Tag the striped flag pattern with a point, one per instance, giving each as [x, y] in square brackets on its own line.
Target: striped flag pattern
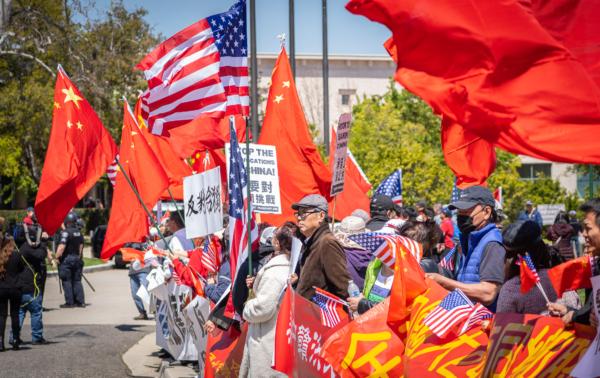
[447, 261]
[201, 70]
[112, 170]
[385, 246]
[391, 186]
[331, 307]
[210, 257]
[479, 313]
[452, 311]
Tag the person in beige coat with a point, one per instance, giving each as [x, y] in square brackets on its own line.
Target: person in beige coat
[261, 311]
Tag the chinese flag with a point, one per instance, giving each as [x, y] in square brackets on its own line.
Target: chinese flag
[283, 354]
[356, 185]
[572, 275]
[528, 278]
[79, 151]
[206, 160]
[496, 92]
[301, 169]
[362, 347]
[128, 221]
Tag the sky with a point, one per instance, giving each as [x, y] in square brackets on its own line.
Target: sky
[348, 34]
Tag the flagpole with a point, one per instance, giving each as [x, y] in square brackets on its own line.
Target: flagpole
[175, 204]
[325, 79]
[253, 72]
[249, 215]
[292, 33]
[137, 194]
[539, 285]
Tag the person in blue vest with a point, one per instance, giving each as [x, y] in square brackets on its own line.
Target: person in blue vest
[479, 272]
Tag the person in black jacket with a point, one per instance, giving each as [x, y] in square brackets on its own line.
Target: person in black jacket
[11, 266]
[34, 251]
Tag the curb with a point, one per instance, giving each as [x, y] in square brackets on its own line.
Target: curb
[88, 269]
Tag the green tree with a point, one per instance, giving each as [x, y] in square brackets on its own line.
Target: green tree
[398, 130]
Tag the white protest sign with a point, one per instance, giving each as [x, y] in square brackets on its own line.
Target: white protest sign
[589, 364]
[341, 152]
[196, 315]
[143, 294]
[179, 342]
[202, 203]
[549, 212]
[295, 254]
[155, 279]
[264, 177]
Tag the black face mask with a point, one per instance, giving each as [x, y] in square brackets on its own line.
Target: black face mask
[465, 224]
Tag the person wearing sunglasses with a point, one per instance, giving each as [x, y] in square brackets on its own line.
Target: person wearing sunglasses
[322, 262]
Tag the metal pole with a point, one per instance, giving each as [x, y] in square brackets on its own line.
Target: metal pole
[292, 38]
[175, 204]
[253, 72]
[249, 214]
[591, 181]
[325, 81]
[148, 213]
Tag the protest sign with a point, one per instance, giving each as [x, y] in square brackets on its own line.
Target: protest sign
[224, 352]
[202, 203]
[295, 254]
[341, 148]
[589, 365]
[196, 314]
[264, 177]
[549, 212]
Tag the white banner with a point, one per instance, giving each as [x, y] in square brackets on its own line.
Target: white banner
[196, 314]
[341, 152]
[202, 203]
[264, 177]
[549, 212]
[589, 365]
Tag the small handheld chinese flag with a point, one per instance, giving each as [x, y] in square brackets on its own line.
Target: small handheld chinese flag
[572, 275]
[79, 151]
[528, 273]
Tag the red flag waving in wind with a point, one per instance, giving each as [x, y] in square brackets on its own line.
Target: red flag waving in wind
[496, 92]
[301, 169]
[79, 151]
[128, 221]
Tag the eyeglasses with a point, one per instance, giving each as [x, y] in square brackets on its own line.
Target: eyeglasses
[304, 214]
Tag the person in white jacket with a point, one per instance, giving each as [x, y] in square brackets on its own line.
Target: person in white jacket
[261, 311]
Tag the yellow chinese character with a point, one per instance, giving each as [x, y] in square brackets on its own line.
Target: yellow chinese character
[378, 370]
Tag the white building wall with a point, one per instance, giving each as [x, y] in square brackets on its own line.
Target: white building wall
[562, 172]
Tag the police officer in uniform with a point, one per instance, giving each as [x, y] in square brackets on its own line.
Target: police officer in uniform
[69, 254]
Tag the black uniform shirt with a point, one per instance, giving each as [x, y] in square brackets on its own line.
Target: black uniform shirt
[72, 239]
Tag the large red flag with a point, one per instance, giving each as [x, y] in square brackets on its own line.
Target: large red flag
[79, 151]
[356, 185]
[301, 169]
[128, 221]
[496, 92]
[572, 275]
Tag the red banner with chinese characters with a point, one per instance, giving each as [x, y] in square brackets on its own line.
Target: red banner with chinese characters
[366, 346]
[224, 352]
[534, 346]
[299, 337]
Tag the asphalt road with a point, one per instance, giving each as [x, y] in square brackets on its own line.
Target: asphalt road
[85, 342]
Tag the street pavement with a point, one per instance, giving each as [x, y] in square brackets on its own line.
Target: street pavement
[85, 342]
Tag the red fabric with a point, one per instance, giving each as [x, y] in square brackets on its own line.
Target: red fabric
[130, 254]
[528, 278]
[356, 186]
[206, 160]
[572, 275]
[128, 221]
[283, 358]
[497, 87]
[224, 352]
[448, 230]
[204, 133]
[301, 169]
[188, 277]
[79, 151]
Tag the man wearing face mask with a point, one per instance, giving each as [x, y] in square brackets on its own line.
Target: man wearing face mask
[480, 268]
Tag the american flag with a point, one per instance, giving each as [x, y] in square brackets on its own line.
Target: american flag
[448, 260]
[455, 196]
[479, 313]
[391, 186]
[112, 170]
[210, 256]
[332, 310]
[203, 69]
[498, 197]
[238, 210]
[452, 311]
[529, 265]
[385, 247]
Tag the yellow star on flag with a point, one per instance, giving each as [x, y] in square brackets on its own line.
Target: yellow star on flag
[71, 96]
[79, 125]
[286, 84]
[69, 124]
[56, 105]
[278, 98]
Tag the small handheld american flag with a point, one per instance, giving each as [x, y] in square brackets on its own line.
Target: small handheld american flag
[331, 307]
[210, 256]
[529, 276]
[391, 186]
[448, 260]
[385, 247]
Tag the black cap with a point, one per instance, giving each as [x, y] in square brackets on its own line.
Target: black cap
[521, 235]
[474, 195]
[382, 201]
[312, 201]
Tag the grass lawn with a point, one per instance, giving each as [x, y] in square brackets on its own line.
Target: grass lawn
[87, 261]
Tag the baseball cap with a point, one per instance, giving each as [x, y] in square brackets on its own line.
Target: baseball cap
[529, 203]
[311, 201]
[474, 195]
[267, 235]
[382, 201]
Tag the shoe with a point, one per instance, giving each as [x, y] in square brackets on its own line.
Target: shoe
[41, 341]
[80, 305]
[141, 316]
[66, 305]
[2, 348]
[16, 344]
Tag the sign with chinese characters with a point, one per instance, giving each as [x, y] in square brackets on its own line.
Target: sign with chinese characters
[196, 315]
[341, 148]
[202, 203]
[264, 177]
